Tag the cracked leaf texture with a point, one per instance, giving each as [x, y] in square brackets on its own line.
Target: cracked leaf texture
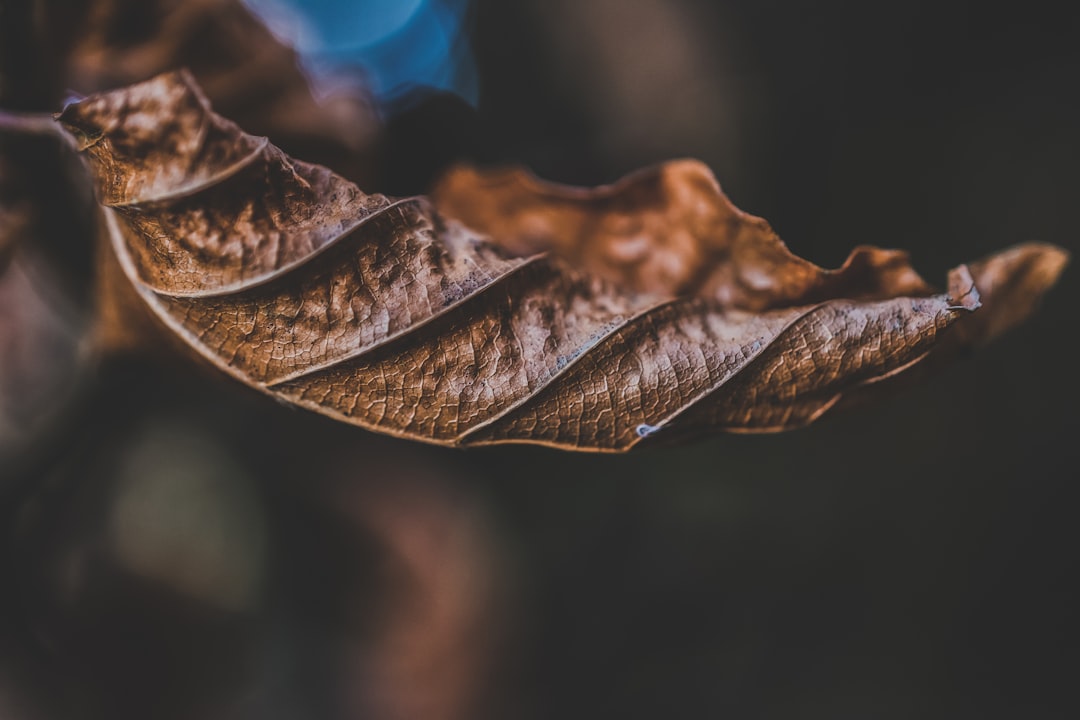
[593, 320]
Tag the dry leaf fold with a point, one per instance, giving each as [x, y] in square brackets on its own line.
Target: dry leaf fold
[581, 319]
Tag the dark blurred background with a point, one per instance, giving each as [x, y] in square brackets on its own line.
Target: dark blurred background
[184, 548]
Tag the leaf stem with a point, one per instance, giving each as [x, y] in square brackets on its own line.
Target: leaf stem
[33, 123]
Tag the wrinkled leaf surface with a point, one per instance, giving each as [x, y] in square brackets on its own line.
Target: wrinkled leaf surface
[587, 320]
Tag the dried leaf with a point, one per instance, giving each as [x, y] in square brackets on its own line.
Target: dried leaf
[384, 314]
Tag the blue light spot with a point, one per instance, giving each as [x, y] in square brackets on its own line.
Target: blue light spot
[404, 48]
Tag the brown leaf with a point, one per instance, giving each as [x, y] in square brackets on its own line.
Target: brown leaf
[384, 314]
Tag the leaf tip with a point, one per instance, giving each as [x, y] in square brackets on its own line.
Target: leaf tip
[962, 293]
[1013, 283]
